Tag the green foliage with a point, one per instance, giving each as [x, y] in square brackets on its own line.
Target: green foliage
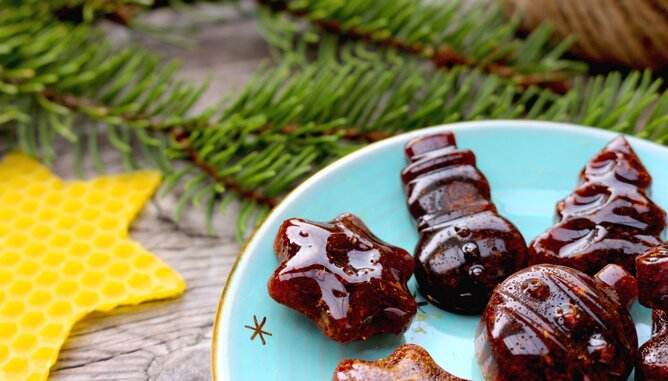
[362, 93]
[301, 115]
[89, 11]
[66, 82]
[82, 10]
[60, 80]
[450, 33]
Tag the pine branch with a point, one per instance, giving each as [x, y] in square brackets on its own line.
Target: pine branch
[452, 33]
[64, 81]
[73, 68]
[122, 12]
[58, 78]
[298, 116]
[78, 11]
[181, 136]
[367, 95]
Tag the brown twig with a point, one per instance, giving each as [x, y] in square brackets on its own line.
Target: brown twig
[117, 11]
[180, 134]
[122, 14]
[79, 104]
[444, 56]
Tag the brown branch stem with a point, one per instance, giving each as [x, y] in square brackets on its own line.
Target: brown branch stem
[444, 56]
[79, 104]
[180, 134]
[112, 10]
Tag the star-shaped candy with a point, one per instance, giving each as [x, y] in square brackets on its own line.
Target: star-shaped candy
[345, 279]
[408, 363]
[65, 252]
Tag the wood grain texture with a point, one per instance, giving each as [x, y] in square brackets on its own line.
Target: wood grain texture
[171, 339]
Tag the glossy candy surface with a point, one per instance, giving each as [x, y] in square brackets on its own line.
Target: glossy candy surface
[653, 355]
[608, 219]
[550, 322]
[465, 247]
[345, 279]
[652, 274]
[529, 165]
[408, 363]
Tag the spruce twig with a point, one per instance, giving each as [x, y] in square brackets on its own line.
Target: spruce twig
[442, 33]
[123, 12]
[181, 136]
[359, 97]
[293, 118]
[56, 77]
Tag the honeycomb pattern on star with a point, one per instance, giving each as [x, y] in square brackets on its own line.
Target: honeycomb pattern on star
[65, 252]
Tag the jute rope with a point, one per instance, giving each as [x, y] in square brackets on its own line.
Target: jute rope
[629, 32]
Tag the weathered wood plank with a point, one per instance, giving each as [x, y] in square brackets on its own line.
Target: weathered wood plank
[169, 340]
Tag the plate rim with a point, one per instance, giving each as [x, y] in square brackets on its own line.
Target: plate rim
[522, 124]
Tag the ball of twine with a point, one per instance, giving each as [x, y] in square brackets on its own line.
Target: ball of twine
[628, 32]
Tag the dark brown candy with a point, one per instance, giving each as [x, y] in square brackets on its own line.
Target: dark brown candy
[465, 247]
[408, 363]
[345, 279]
[550, 322]
[608, 219]
[653, 355]
[619, 284]
[652, 274]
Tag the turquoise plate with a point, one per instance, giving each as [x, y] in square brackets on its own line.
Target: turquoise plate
[530, 166]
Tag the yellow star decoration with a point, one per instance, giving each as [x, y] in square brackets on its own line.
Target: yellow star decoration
[65, 252]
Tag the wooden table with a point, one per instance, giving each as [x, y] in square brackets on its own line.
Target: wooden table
[169, 340]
